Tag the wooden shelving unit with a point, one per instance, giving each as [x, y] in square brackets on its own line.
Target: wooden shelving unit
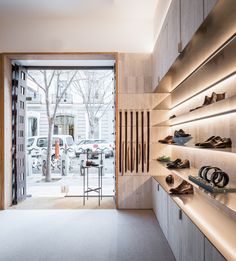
[228, 200]
[199, 122]
[222, 107]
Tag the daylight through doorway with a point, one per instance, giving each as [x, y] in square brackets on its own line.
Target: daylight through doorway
[70, 123]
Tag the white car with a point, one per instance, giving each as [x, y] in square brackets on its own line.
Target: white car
[94, 146]
[36, 145]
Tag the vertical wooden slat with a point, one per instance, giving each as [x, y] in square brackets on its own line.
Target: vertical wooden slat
[131, 141]
[126, 145]
[120, 142]
[142, 139]
[137, 142]
[148, 139]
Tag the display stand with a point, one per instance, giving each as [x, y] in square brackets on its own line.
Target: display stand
[85, 173]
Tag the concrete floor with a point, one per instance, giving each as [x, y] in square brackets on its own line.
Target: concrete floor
[65, 203]
[81, 235]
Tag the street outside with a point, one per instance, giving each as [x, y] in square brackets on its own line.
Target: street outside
[71, 184]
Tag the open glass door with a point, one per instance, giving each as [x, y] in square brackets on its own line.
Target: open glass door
[18, 134]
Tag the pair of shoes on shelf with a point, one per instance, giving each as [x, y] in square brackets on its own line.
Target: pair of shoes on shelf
[216, 142]
[180, 133]
[178, 164]
[215, 97]
[90, 163]
[167, 140]
[183, 188]
[180, 137]
[164, 159]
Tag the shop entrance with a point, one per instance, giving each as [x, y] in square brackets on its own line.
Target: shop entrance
[82, 136]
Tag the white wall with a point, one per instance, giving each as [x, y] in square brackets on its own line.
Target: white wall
[131, 29]
[74, 35]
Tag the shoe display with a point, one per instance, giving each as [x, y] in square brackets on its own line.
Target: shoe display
[183, 188]
[215, 97]
[164, 159]
[90, 163]
[172, 117]
[177, 161]
[169, 179]
[180, 137]
[198, 144]
[216, 142]
[180, 133]
[178, 164]
[167, 140]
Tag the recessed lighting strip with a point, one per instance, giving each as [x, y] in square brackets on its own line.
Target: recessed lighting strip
[205, 117]
[207, 60]
[227, 77]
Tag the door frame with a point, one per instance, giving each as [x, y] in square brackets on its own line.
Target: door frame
[6, 114]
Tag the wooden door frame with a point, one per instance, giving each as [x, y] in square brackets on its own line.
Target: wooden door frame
[6, 115]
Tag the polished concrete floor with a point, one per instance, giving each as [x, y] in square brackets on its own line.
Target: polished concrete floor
[81, 235]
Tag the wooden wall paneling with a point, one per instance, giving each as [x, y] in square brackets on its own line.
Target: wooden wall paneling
[135, 73]
[173, 33]
[193, 241]
[191, 18]
[175, 232]
[135, 192]
[208, 6]
[211, 253]
[213, 32]
[140, 101]
[156, 64]
[2, 134]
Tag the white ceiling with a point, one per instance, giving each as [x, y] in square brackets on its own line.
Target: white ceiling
[138, 9]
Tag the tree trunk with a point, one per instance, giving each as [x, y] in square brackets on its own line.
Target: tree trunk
[49, 150]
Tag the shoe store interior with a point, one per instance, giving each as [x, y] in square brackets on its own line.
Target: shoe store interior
[153, 175]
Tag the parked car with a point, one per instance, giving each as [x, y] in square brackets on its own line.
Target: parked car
[94, 146]
[36, 145]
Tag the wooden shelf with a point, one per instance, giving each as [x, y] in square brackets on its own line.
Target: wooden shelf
[226, 199]
[191, 146]
[165, 104]
[223, 107]
[182, 173]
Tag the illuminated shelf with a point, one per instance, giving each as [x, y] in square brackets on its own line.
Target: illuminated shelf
[191, 146]
[228, 200]
[223, 107]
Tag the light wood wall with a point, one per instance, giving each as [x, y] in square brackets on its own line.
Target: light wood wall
[135, 94]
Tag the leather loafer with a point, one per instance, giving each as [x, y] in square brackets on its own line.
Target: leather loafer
[168, 140]
[183, 188]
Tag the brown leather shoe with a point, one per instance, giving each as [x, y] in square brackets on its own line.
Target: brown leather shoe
[207, 101]
[183, 188]
[198, 144]
[168, 140]
[211, 143]
[220, 96]
[224, 143]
